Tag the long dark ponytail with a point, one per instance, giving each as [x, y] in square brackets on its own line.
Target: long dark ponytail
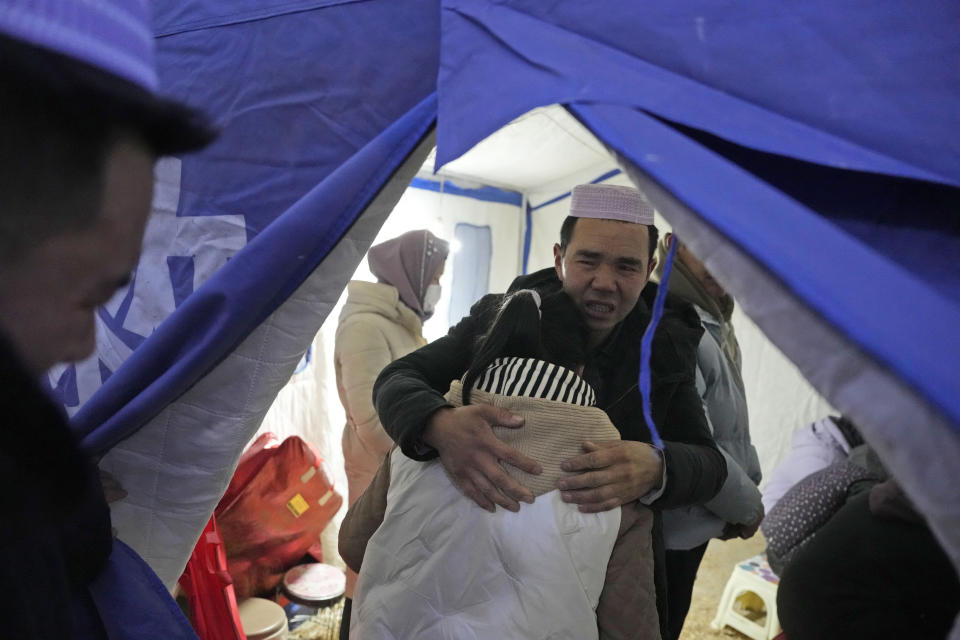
[551, 330]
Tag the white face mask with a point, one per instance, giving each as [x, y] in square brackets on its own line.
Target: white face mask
[430, 299]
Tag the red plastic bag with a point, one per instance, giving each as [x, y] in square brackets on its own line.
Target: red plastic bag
[279, 501]
[209, 589]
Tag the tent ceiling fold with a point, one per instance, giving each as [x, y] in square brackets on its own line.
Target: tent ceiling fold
[843, 84]
[537, 149]
[873, 396]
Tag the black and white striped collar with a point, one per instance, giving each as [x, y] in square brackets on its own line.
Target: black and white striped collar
[535, 378]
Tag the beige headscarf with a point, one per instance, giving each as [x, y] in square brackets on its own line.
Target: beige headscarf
[552, 432]
[683, 284]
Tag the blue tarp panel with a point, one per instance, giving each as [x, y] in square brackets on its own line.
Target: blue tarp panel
[863, 294]
[743, 109]
[246, 290]
[869, 86]
[133, 603]
[314, 120]
[298, 87]
[911, 222]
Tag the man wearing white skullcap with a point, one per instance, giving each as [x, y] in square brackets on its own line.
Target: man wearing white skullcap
[603, 262]
[81, 124]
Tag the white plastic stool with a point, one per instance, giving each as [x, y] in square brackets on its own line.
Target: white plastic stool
[753, 575]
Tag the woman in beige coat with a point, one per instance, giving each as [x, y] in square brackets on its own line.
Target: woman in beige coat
[381, 322]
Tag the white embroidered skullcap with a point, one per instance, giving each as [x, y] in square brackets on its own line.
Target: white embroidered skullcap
[610, 202]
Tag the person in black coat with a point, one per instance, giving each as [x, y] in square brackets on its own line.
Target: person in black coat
[603, 262]
[873, 570]
[76, 177]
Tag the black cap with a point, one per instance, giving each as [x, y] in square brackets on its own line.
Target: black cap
[79, 90]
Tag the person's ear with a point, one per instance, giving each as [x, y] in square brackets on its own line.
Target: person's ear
[651, 267]
[668, 239]
[558, 261]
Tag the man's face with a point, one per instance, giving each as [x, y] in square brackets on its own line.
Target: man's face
[604, 269]
[48, 297]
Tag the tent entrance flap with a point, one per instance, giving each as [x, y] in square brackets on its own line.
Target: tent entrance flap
[876, 397]
[247, 289]
[786, 238]
[170, 493]
[866, 87]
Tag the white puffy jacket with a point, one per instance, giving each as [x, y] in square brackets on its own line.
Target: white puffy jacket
[442, 568]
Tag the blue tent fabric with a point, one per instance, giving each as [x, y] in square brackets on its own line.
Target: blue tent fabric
[296, 90]
[296, 87]
[291, 116]
[246, 290]
[177, 17]
[867, 90]
[843, 84]
[911, 222]
[133, 603]
[870, 88]
[858, 299]
[646, 347]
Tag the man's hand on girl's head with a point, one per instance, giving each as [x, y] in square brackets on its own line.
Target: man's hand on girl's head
[471, 454]
[610, 474]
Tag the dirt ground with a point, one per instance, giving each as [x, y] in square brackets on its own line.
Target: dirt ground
[717, 565]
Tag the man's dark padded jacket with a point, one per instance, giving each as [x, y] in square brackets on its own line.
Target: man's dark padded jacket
[410, 389]
[55, 535]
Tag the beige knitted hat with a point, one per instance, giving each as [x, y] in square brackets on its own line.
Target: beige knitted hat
[552, 432]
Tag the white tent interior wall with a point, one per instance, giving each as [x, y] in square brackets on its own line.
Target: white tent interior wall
[541, 156]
